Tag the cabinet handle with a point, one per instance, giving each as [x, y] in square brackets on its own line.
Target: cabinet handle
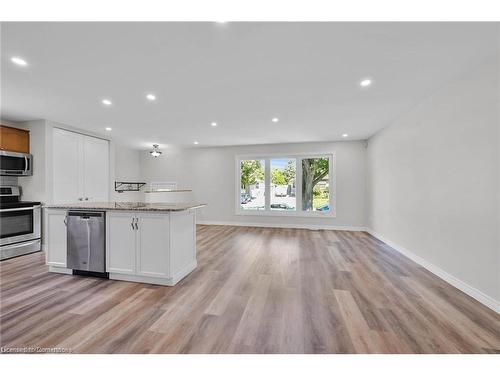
[136, 221]
[86, 198]
[80, 199]
[132, 223]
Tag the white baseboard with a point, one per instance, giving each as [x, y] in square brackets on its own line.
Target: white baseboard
[450, 279]
[282, 225]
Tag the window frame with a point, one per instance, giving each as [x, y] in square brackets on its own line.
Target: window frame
[298, 212]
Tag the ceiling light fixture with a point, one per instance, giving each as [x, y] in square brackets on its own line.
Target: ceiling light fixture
[275, 119]
[106, 102]
[345, 135]
[108, 129]
[196, 142]
[214, 124]
[155, 152]
[365, 83]
[18, 61]
[151, 97]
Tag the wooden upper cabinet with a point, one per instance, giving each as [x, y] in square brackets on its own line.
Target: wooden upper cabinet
[13, 139]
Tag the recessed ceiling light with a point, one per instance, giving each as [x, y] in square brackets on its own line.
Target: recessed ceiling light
[106, 102]
[196, 142]
[151, 97]
[214, 124]
[275, 119]
[365, 83]
[345, 135]
[18, 61]
[108, 129]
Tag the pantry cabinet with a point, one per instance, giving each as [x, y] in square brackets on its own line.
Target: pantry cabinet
[80, 167]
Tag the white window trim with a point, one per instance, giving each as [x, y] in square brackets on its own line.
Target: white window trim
[298, 192]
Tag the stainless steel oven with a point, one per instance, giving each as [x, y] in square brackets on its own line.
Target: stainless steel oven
[15, 164]
[20, 224]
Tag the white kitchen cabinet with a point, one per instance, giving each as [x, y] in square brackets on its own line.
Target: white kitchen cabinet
[120, 243]
[67, 166]
[152, 241]
[81, 167]
[96, 169]
[149, 247]
[55, 237]
[138, 244]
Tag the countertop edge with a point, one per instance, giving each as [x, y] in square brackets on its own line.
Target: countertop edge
[107, 208]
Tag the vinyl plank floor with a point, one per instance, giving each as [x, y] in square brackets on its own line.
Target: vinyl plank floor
[255, 290]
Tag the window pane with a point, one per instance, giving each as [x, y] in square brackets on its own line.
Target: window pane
[283, 184]
[252, 186]
[315, 185]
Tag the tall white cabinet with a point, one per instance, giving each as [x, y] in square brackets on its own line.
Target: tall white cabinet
[80, 167]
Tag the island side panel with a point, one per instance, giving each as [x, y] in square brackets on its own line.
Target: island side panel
[182, 244]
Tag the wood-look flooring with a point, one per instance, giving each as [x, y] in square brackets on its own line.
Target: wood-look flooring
[256, 290]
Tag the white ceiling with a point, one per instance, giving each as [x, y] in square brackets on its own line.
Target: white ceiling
[240, 75]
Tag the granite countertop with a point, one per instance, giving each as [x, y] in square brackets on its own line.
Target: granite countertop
[127, 206]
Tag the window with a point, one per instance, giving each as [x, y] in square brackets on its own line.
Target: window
[283, 173]
[295, 185]
[315, 184]
[252, 186]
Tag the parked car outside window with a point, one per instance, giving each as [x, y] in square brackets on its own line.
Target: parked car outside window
[245, 198]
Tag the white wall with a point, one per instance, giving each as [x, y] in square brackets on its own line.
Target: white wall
[433, 181]
[127, 168]
[33, 187]
[210, 173]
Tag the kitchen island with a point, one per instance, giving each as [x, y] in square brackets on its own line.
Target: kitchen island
[144, 242]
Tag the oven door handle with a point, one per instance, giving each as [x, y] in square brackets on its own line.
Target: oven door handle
[21, 244]
[20, 209]
[25, 164]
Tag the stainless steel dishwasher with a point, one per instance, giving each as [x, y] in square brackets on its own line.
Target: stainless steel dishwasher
[86, 253]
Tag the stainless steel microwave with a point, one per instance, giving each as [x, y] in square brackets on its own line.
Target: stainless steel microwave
[15, 164]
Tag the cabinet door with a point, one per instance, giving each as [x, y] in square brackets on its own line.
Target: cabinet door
[96, 169]
[153, 245]
[67, 169]
[55, 237]
[13, 139]
[120, 243]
